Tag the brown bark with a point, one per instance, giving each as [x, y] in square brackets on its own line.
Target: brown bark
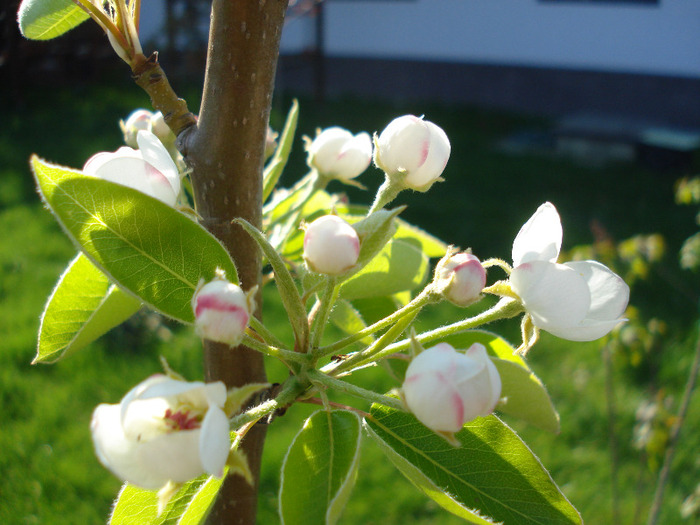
[226, 153]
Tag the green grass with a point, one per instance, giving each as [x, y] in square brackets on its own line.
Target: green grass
[49, 472]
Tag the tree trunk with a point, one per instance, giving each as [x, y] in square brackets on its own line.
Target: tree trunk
[226, 154]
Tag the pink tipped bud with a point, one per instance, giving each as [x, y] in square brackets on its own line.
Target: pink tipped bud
[444, 388]
[331, 245]
[414, 148]
[337, 153]
[221, 311]
[460, 278]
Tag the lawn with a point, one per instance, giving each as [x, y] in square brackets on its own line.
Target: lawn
[49, 471]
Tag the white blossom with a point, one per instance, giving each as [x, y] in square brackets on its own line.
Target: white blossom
[445, 388]
[413, 148]
[150, 169]
[331, 245]
[578, 301]
[337, 153]
[164, 430]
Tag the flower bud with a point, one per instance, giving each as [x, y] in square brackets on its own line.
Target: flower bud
[135, 122]
[336, 153]
[163, 430]
[222, 311]
[150, 169]
[460, 277]
[413, 148]
[161, 130]
[331, 245]
[444, 388]
[270, 142]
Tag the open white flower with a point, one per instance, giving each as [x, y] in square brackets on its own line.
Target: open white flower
[578, 301]
[150, 169]
[163, 430]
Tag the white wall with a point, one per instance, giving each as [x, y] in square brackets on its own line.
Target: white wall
[661, 39]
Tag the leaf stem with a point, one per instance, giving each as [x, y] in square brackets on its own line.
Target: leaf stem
[386, 193]
[424, 298]
[504, 309]
[266, 334]
[319, 378]
[272, 351]
[330, 294]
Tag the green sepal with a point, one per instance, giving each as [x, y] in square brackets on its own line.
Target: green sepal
[83, 306]
[47, 19]
[143, 245]
[493, 477]
[320, 468]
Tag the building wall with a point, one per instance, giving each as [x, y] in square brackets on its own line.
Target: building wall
[662, 39]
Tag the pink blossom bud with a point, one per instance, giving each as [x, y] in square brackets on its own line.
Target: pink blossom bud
[414, 148]
[331, 245]
[460, 278]
[221, 311]
[164, 430]
[135, 122]
[337, 153]
[445, 388]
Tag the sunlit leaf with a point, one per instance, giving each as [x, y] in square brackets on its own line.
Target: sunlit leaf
[349, 320]
[399, 266]
[83, 306]
[279, 160]
[143, 245]
[47, 19]
[319, 469]
[189, 506]
[492, 477]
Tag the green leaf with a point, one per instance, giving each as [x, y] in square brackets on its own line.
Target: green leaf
[492, 477]
[525, 395]
[142, 244]
[189, 506]
[279, 160]
[399, 266]
[431, 245]
[320, 468]
[349, 320]
[374, 232]
[47, 19]
[83, 306]
[285, 285]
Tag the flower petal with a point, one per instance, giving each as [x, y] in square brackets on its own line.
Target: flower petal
[609, 293]
[157, 156]
[554, 295]
[118, 454]
[540, 237]
[586, 330]
[214, 442]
